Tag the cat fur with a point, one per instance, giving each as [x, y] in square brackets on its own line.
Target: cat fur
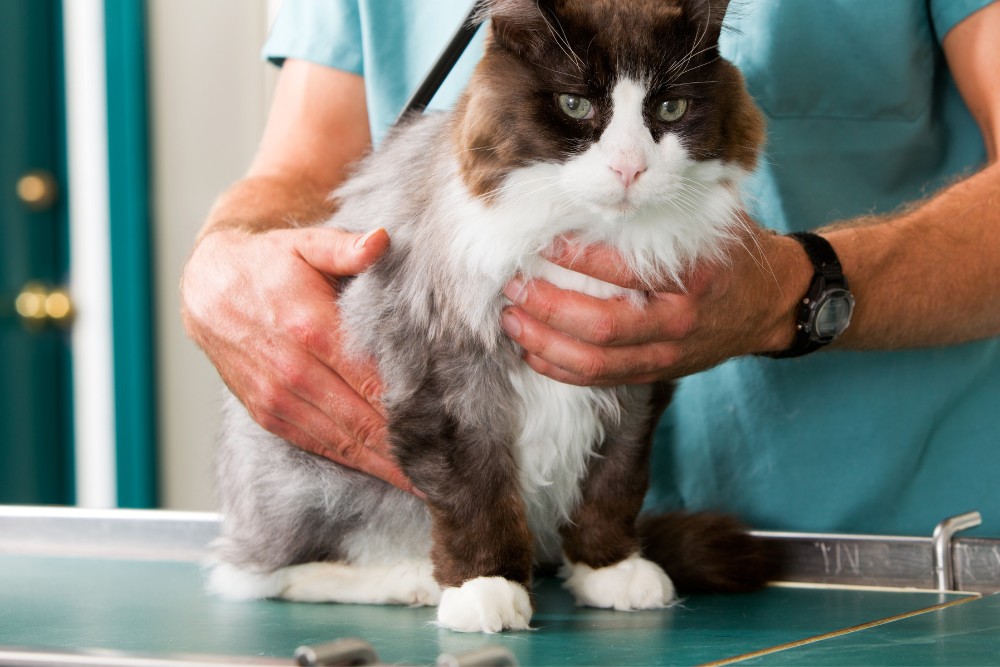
[518, 469]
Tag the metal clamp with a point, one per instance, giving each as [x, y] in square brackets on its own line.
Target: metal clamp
[350, 652]
[944, 569]
[487, 656]
[339, 653]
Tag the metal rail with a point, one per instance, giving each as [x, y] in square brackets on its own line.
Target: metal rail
[944, 562]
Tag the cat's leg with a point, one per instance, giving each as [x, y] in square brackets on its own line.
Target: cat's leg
[406, 583]
[300, 527]
[603, 565]
[481, 543]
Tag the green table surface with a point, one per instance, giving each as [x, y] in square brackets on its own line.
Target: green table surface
[160, 607]
[963, 634]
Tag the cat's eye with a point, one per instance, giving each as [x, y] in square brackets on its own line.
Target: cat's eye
[576, 107]
[671, 110]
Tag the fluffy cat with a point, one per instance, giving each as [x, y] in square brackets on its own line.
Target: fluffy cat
[613, 121]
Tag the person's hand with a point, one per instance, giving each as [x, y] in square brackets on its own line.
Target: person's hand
[724, 309]
[263, 309]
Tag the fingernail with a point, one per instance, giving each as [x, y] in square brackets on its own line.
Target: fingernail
[360, 243]
[511, 324]
[515, 291]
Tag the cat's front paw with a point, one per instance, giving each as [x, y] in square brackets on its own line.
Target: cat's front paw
[485, 604]
[633, 583]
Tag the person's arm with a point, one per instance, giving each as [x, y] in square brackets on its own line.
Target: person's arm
[922, 278]
[930, 276]
[255, 293]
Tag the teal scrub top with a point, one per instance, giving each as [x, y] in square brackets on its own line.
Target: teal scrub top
[863, 117]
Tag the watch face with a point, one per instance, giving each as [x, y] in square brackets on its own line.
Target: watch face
[832, 314]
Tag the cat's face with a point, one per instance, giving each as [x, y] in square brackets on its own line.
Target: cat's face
[628, 98]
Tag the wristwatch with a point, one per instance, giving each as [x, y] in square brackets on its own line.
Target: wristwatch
[825, 311]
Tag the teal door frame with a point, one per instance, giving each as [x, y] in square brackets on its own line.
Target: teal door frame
[36, 427]
[132, 293]
[36, 401]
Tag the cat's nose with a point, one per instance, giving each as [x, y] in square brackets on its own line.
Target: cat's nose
[628, 171]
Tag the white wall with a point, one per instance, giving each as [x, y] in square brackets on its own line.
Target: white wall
[209, 95]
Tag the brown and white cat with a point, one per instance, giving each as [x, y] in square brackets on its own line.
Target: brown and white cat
[616, 122]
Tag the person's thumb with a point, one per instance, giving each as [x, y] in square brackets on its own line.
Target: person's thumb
[339, 253]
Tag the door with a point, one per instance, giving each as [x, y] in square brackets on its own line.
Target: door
[35, 410]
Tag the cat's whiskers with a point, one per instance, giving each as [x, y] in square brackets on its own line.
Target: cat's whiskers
[681, 203]
[562, 41]
[569, 78]
[508, 203]
[691, 69]
[763, 263]
[762, 155]
[699, 38]
[691, 191]
[693, 182]
[509, 185]
[683, 62]
[687, 83]
[570, 202]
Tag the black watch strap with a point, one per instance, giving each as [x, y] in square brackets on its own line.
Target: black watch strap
[827, 275]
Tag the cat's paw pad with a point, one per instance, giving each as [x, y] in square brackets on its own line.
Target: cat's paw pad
[485, 604]
[633, 583]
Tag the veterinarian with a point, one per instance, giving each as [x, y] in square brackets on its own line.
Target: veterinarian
[883, 127]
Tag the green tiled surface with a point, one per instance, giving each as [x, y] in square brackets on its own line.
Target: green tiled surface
[159, 607]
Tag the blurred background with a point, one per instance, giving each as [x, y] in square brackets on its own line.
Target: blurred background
[120, 122]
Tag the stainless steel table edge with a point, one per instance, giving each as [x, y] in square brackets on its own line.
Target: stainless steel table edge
[882, 561]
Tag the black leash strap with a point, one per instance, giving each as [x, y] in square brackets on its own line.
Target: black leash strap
[445, 62]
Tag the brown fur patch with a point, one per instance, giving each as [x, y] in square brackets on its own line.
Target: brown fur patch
[602, 531]
[742, 129]
[487, 540]
[467, 469]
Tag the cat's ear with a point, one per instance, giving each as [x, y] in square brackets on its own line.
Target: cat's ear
[709, 14]
[523, 27]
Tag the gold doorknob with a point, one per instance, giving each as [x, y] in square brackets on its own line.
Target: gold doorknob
[37, 190]
[38, 305]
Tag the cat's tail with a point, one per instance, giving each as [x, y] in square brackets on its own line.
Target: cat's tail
[704, 552]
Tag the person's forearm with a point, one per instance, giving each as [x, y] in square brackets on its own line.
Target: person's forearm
[929, 276]
[265, 202]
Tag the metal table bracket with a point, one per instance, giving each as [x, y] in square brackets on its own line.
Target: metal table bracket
[944, 533]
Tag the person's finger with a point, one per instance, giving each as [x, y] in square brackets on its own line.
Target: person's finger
[360, 374]
[339, 253]
[543, 367]
[313, 382]
[292, 387]
[593, 363]
[361, 444]
[347, 452]
[608, 322]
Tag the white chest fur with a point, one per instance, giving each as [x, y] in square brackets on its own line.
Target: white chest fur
[561, 427]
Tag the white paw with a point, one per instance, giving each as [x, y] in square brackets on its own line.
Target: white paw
[234, 583]
[485, 604]
[633, 583]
